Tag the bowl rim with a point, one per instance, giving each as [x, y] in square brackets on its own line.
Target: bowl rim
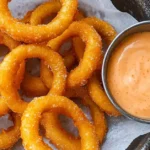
[107, 55]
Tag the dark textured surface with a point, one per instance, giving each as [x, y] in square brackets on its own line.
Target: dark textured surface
[140, 9]
[140, 143]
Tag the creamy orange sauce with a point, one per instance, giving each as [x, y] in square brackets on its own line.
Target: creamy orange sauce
[128, 75]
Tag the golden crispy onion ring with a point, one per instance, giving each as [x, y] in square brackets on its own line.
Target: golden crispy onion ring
[12, 61]
[92, 54]
[57, 104]
[10, 136]
[99, 97]
[95, 90]
[105, 30]
[67, 141]
[33, 34]
[33, 86]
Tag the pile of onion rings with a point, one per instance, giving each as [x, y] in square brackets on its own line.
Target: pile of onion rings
[73, 72]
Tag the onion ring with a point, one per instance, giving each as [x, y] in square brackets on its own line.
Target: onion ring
[18, 55]
[10, 136]
[92, 54]
[30, 125]
[99, 97]
[67, 141]
[105, 30]
[95, 90]
[34, 34]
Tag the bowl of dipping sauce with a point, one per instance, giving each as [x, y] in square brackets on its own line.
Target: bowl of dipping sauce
[126, 72]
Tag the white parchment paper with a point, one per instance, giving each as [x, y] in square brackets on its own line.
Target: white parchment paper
[121, 130]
